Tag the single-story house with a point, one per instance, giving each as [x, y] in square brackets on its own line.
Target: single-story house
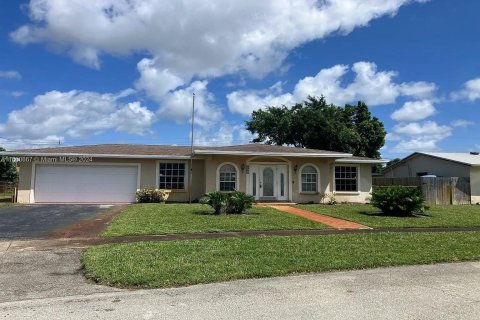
[440, 164]
[112, 173]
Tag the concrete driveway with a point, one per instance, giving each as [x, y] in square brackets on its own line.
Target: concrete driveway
[25, 222]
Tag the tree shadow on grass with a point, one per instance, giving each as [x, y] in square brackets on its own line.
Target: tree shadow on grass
[393, 215]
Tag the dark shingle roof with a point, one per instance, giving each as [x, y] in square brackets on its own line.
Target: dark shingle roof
[152, 150]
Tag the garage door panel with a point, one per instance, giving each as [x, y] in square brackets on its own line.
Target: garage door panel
[93, 183]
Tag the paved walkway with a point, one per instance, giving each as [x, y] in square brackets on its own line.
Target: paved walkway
[336, 223]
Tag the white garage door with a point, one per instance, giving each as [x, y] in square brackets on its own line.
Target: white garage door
[85, 184]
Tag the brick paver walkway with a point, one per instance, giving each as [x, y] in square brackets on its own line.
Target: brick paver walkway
[329, 221]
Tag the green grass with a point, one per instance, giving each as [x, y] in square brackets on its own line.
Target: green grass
[145, 219]
[179, 263]
[436, 216]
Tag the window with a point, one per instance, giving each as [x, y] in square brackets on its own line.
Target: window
[227, 178]
[309, 178]
[172, 175]
[346, 178]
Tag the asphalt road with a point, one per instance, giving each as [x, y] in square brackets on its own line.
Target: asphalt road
[41, 221]
[39, 291]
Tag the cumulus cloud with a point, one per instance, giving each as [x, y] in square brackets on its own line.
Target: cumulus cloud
[414, 111]
[470, 91]
[198, 37]
[177, 105]
[369, 84]
[462, 123]
[10, 74]
[418, 136]
[56, 115]
[224, 134]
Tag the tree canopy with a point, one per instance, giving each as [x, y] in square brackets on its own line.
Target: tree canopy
[8, 170]
[317, 125]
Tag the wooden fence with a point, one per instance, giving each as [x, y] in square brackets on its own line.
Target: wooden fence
[439, 190]
[7, 191]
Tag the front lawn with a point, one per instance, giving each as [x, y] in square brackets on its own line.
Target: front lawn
[179, 263]
[145, 219]
[436, 216]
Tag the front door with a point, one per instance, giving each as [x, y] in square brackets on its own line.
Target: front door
[268, 182]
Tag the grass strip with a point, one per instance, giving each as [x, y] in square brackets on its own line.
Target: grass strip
[180, 263]
[436, 216]
[146, 219]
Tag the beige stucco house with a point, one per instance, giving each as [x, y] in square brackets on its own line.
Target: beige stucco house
[113, 173]
[440, 164]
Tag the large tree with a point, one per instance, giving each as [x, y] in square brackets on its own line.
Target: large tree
[8, 170]
[317, 125]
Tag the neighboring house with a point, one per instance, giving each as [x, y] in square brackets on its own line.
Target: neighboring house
[113, 173]
[441, 165]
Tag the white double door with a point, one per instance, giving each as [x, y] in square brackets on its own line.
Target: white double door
[268, 181]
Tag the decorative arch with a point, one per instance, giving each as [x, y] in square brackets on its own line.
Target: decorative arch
[228, 178]
[308, 178]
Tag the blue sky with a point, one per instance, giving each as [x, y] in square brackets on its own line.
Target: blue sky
[117, 71]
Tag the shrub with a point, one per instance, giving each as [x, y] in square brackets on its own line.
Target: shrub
[151, 196]
[235, 202]
[398, 200]
[217, 200]
[238, 202]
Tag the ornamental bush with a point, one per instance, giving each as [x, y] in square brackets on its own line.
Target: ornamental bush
[235, 202]
[238, 202]
[398, 200]
[217, 200]
[151, 196]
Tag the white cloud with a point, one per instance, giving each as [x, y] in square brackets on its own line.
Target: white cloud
[56, 115]
[414, 111]
[462, 123]
[17, 94]
[10, 74]
[198, 37]
[369, 85]
[418, 136]
[245, 102]
[470, 91]
[223, 134]
[177, 105]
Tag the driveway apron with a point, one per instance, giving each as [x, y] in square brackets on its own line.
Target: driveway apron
[26, 222]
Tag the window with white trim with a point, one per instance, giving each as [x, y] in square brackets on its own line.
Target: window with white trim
[346, 178]
[172, 175]
[309, 179]
[227, 178]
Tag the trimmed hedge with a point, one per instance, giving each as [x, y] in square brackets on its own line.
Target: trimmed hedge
[398, 200]
[151, 196]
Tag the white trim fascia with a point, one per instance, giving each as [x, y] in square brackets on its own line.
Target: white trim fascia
[373, 161]
[93, 155]
[274, 154]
